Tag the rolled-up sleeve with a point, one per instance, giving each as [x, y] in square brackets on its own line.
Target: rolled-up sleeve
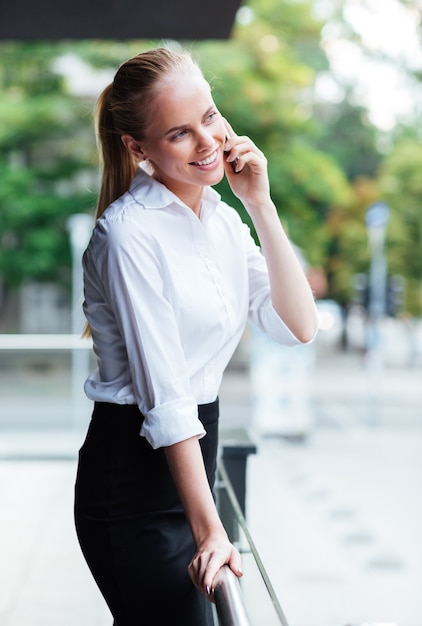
[172, 422]
[130, 271]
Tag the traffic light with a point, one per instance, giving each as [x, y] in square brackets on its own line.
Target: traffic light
[361, 290]
[395, 294]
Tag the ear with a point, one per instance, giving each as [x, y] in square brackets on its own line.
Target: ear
[133, 147]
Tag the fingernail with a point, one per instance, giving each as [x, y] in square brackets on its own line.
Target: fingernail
[207, 590]
[227, 147]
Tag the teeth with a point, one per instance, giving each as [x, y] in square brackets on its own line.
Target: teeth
[206, 161]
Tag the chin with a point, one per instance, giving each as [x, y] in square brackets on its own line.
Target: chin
[216, 178]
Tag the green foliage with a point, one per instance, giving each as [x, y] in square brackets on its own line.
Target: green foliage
[33, 229]
[324, 162]
[262, 88]
[348, 250]
[345, 132]
[44, 157]
[401, 184]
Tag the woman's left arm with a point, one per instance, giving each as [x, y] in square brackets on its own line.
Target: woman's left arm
[291, 295]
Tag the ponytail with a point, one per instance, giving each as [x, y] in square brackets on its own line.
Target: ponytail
[118, 165]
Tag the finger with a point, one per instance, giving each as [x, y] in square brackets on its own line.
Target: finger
[240, 146]
[235, 147]
[214, 566]
[235, 563]
[236, 153]
[250, 159]
[229, 129]
[199, 571]
[196, 569]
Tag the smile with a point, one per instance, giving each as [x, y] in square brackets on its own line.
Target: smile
[206, 161]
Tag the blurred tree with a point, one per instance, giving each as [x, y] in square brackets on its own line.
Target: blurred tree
[321, 158]
[263, 82]
[400, 182]
[45, 164]
[375, 161]
[348, 252]
[344, 131]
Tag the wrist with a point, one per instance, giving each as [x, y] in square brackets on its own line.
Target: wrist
[264, 215]
[202, 533]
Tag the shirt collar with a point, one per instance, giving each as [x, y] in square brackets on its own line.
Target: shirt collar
[154, 195]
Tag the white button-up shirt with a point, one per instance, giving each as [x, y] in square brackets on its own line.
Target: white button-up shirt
[168, 296]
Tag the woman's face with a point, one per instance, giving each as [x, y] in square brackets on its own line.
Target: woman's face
[185, 139]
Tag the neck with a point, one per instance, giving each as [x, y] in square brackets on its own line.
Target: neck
[191, 195]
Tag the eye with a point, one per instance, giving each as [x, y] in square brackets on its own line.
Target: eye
[179, 135]
[211, 116]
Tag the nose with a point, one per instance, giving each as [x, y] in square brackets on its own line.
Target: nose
[205, 140]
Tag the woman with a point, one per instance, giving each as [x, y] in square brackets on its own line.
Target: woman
[171, 276]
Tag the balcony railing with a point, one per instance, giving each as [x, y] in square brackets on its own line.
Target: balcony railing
[250, 600]
[230, 607]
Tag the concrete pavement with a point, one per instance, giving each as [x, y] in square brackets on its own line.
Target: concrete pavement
[336, 517]
[338, 525]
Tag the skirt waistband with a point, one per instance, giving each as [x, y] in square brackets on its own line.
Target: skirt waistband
[207, 413]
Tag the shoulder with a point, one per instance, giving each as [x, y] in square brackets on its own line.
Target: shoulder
[119, 221]
[123, 231]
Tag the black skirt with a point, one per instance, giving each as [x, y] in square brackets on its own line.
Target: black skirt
[130, 523]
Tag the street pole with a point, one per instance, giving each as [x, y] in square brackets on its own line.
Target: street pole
[376, 219]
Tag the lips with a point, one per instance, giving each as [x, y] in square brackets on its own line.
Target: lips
[206, 161]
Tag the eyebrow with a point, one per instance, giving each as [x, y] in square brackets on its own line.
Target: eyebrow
[182, 126]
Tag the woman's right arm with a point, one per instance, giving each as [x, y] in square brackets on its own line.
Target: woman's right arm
[213, 546]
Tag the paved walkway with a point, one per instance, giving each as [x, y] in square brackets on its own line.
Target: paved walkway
[338, 525]
[43, 578]
[336, 517]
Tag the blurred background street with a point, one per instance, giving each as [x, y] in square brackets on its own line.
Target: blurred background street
[331, 92]
[338, 519]
[335, 508]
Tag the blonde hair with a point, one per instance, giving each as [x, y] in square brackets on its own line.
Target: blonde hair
[124, 107]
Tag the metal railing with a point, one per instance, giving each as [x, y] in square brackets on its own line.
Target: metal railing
[77, 347]
[59, 341]
[250, 600]
[231, 610]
